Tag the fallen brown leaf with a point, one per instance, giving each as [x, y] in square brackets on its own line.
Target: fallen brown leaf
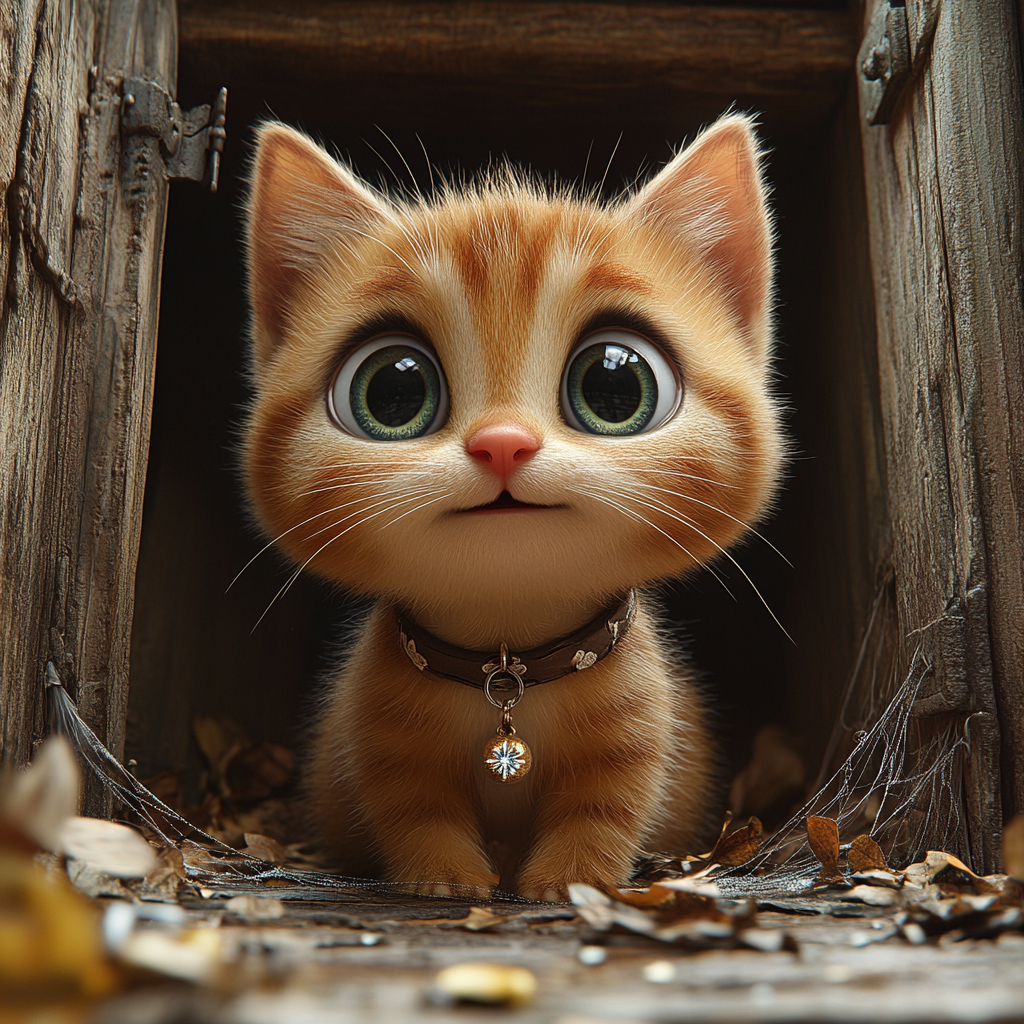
[865, 855]
[823, 835]
[479, 918]
[738, 847]
[116, 850]
[264, 848]
[688, 918]
[51, 938]
[937, 862]
[255, 908]
[774, 775]
[40, 799]
[654, 896]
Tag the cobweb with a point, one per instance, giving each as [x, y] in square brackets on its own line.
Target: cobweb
[902, 783]
[209, 864]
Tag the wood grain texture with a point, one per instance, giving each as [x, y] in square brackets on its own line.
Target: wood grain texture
[945, 205]
[77, 339]
[559, 49]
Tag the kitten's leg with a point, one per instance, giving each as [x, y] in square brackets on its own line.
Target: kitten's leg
[594, 813]
[428, 833]
[401, 763]
[631, 764]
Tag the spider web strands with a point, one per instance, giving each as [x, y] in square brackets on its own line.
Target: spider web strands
[902, 784]
[209, 864]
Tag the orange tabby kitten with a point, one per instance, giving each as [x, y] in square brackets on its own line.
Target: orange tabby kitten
[498, 412]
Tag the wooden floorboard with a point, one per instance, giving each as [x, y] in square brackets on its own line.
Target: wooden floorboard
[289, 972]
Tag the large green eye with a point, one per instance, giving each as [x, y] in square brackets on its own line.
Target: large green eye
[389, 389]
[618, 383]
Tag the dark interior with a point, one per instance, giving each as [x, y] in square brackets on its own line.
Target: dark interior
[194, 649]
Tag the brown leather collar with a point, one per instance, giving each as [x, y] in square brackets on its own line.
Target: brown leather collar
[587, 646]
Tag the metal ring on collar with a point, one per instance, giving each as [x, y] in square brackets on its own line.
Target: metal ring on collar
[505, 705]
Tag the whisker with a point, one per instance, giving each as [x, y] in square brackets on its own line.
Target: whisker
[714, 508]
[636, 515]
[667, 472]
[352, 481]
[266, 547]
[690, 525]
[410, 494]
[416, 509]
[298, 572]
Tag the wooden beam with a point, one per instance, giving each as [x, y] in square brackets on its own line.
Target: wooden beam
[81, 262]
[551, 51]
[945, 206]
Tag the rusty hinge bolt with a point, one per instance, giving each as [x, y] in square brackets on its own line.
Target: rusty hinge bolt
[191, 142]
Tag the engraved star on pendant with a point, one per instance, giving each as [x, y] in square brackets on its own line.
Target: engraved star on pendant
[507, 758]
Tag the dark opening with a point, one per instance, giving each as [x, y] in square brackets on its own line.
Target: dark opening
[194, 650]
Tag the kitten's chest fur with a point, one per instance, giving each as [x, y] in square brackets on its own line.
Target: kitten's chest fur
[628, 723]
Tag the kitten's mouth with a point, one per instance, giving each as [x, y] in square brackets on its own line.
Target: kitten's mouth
[504, 502]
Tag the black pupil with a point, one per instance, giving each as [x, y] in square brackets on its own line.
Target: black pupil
[396, 392]
[614, 393]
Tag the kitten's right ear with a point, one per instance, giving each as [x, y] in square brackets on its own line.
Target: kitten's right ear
[301, 204]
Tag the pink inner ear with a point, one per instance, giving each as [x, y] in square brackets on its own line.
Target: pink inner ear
[301, 200]
[712, 194]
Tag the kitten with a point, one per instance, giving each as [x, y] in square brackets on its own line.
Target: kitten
[497, 412]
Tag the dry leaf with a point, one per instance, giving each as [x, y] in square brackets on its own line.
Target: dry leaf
[865, 855]
[192, 955]
[256, 908]
[479, 918]
[50, 937]
[163, 881]
[41, 798]
[738, 847]
[654, 896]
[114, 849]
[823, 835]
[937, 861]
[1013, 848]
[872, 895]
[774, 775]
[264, 848]
[489, 984]
[697, 884]
[90, 881]
[257, 772]
[882, 878]
[601, 911]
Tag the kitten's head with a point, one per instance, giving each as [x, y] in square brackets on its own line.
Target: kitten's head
[503, 399]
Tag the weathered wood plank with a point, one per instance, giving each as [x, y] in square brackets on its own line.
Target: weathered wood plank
[556, 50]
[945, 204]
[78, 335]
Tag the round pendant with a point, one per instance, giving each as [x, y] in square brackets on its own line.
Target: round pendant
[507, 758]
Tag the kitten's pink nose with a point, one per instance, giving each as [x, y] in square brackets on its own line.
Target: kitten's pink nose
[504, 447]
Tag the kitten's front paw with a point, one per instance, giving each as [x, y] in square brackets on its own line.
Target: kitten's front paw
[431, 889]
[545, 893]
[553, 886]
[475, 886]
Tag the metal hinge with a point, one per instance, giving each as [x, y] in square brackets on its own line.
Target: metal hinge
[191, 140]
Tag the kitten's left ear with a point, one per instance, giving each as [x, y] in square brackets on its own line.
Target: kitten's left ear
[712, 195]
[301, 204]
